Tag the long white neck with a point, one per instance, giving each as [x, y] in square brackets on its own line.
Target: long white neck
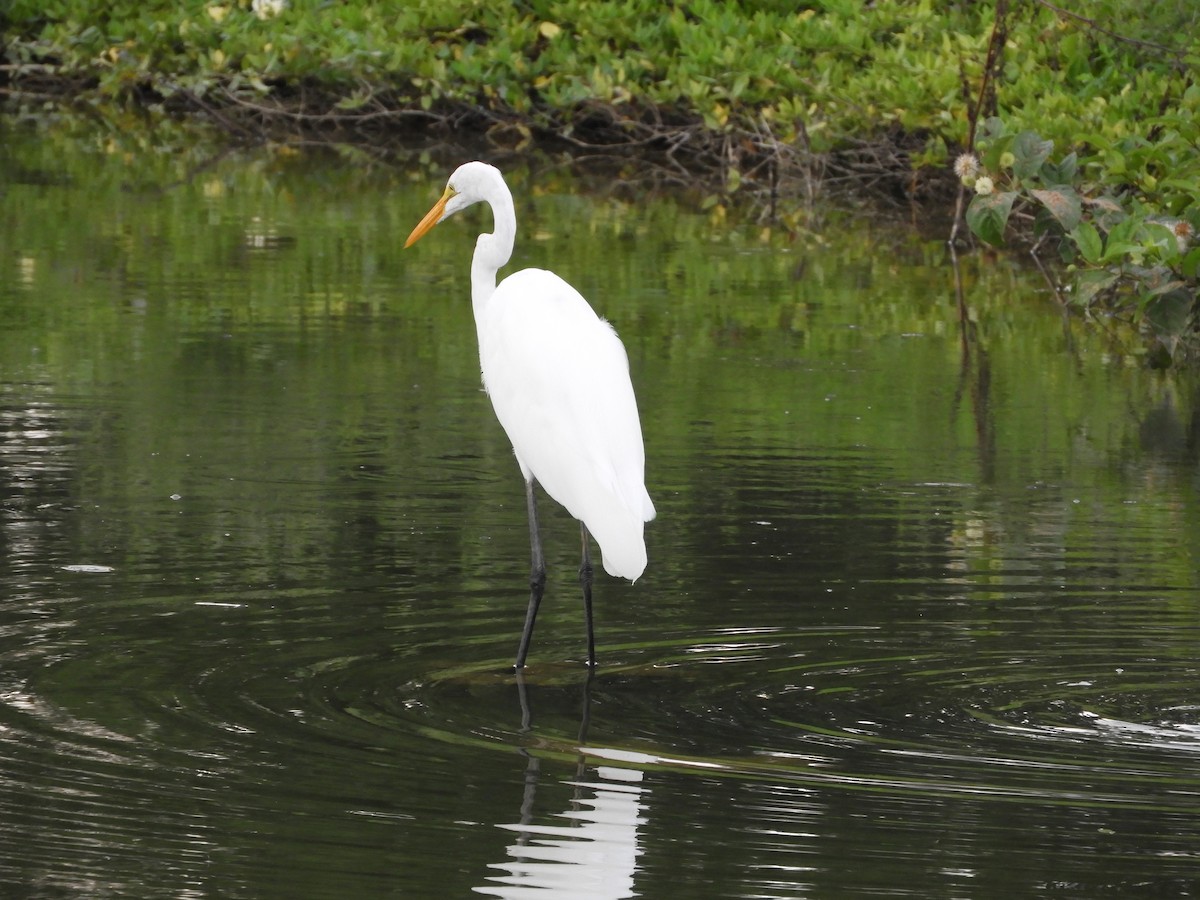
[495, 249]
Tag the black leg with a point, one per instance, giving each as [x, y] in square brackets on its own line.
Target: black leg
[537, 575]
[585, 581]
[523, 697]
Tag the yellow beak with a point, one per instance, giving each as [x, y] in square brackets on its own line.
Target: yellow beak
[431, 218]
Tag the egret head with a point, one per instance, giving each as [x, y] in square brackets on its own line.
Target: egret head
[470, 183]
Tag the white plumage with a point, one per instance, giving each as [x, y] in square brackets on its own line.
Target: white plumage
[558, 378]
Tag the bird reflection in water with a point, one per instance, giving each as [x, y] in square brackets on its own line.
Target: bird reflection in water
[593, 853]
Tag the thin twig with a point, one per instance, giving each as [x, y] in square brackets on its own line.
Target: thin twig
[999, 30]
[1050, 283]
[328, 116]
[1096, 26]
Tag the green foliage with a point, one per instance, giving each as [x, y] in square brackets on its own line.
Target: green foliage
[1122, 206]
[1123, 218]
[1117, 198]
[829, 75]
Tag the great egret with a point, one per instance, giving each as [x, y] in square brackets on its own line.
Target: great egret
[558, 378]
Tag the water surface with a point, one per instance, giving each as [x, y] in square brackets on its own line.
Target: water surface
[920, 617]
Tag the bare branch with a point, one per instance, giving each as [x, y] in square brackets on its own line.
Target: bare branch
[1096, 26]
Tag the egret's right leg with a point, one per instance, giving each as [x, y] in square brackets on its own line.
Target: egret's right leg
[585, 581]
[537, 574]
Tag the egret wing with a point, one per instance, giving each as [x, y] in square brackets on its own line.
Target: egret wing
[558, 378]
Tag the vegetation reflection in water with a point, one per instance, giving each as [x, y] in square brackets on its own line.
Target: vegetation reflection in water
[920, 614]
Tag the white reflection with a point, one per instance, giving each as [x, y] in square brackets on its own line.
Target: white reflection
[593, 855]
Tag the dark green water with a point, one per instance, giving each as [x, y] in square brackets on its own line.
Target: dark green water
[921, 616]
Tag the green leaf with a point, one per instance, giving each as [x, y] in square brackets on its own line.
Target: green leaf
[1030, 152]
[733, 180]
[988, 215]
[993, 128]
[1163, 237]
[1108, 212]
[1091, 282]
[1170, 313]
[354, 101]
[1166, 287]
[1115, 161]
[1116, 251]
[1095, 139]
[1087, 239]
[1063, 172]
[995, 150]
[1125, 231]
[1062, 202]
[1191, 263]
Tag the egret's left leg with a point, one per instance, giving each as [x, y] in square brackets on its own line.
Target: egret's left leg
[537, 574]
[585, 581]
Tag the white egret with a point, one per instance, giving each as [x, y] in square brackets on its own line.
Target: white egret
[558, 378]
